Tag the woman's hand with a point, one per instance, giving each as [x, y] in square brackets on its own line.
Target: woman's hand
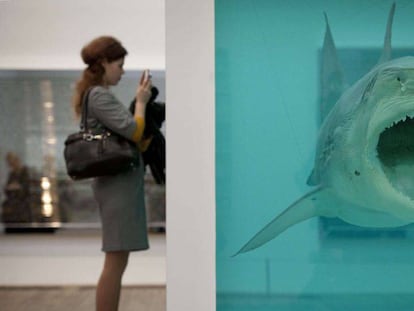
[143, 94]
[144, 88]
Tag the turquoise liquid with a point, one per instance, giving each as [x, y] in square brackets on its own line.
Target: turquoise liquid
[267, 121]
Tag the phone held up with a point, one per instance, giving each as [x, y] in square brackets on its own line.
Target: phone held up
[147, 75]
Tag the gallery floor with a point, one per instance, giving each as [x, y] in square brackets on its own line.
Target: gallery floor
[58, 271]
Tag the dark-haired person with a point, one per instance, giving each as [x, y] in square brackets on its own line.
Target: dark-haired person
[120, 197]
[16, 206]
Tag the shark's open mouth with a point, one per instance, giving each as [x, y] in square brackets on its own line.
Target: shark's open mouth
[396, 153]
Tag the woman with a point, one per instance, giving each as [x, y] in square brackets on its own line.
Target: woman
[120, 197]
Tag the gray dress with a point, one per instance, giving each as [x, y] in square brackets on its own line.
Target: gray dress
[120, 197]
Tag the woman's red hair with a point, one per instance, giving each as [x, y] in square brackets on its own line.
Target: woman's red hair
[93, 54]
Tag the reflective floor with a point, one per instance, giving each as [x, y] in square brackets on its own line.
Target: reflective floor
[78, 298]
[58, 272]
[72, 257]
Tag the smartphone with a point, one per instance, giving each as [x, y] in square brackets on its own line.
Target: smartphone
[147, 75]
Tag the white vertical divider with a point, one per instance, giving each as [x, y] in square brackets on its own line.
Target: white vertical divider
[190, 97]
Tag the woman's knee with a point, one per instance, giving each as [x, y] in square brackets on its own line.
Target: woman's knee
[116, 261]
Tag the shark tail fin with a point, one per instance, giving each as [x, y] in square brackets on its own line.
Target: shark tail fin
[386, 51]
[332, 77]
[310, 205]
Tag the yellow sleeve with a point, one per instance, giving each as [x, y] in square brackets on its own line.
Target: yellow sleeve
[139, 131]
[144, 144]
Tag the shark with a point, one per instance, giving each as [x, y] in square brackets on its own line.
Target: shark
[364, 162]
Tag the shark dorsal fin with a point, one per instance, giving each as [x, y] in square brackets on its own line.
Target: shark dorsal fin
[386, 51]
[332, 79]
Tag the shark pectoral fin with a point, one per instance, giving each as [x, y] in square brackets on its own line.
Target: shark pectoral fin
[315, 203]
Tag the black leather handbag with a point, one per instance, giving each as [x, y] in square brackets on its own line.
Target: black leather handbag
[99, 152]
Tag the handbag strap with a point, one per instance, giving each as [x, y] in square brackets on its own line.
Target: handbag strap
[84, 117]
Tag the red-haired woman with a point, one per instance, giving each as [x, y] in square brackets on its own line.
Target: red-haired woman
[120, 197]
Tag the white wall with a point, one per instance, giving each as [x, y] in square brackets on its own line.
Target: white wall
[190, 155]
[48, 34]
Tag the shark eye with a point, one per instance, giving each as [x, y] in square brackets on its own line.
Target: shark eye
[402, 81]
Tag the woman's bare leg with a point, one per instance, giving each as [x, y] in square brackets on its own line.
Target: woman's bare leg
[109, 286]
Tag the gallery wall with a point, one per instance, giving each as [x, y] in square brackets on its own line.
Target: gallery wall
[190, 155]
[48, 34]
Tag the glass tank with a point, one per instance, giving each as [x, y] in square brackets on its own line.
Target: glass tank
[314, 123]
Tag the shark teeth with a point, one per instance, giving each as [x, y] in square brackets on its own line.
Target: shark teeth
[399, 121]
